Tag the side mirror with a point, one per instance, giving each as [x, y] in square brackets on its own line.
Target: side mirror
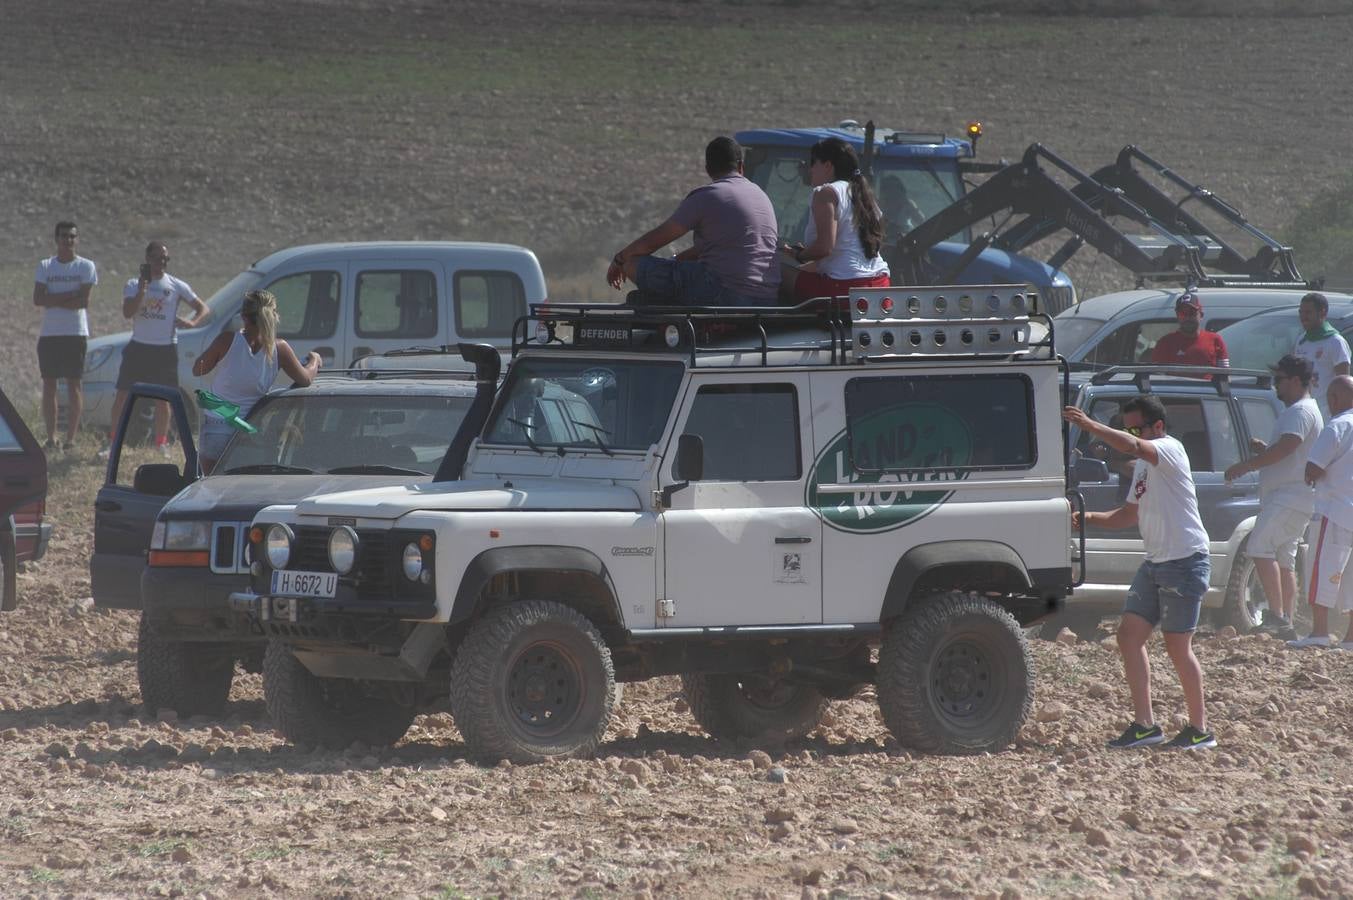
[690, 458]
[158, 479]
[1091, 471]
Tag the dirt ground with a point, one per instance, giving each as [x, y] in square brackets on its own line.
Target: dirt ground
[233, 128]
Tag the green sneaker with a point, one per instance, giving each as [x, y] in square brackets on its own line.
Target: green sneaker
[1192, 739]
[1138, 736]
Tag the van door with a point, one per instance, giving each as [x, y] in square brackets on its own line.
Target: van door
[140, 480]
[485, 303]
[741, 545]
[396, 305]
[312, 313]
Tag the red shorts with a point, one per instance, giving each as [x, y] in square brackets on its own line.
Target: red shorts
[815, 284]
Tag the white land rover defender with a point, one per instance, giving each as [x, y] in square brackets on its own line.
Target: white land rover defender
[751, 499]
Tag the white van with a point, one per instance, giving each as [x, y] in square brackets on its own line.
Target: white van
[346, 301]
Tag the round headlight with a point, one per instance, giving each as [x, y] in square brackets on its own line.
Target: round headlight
[277, 546]
[412, 562]
[343, 549]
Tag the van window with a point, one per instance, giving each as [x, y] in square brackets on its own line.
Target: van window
[750, 431]
[487, 303]
[944, 423]
[397, 304]
[307, 304]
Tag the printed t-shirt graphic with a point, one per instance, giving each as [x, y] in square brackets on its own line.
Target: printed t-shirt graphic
[154, 321]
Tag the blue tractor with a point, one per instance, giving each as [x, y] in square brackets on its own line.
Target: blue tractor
[915, 176]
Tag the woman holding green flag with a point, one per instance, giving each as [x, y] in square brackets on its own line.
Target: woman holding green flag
[249, 360]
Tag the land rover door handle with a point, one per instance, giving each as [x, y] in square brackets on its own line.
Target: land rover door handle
[793, 540]
[108, 506]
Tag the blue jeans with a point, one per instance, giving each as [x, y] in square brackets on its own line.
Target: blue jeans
[1177, 586]
[686, 282]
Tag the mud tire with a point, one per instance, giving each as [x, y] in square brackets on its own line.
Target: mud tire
[191, 678]
[741, 706]
[532, 681]
[330, 712]
[955, 676]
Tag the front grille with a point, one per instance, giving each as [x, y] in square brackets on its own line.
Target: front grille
[371, 575]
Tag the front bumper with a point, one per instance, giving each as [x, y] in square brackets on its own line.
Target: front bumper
[193, 604]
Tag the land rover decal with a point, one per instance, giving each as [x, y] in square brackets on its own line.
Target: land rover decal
[915, 436]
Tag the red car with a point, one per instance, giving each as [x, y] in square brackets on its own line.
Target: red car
[23, 500]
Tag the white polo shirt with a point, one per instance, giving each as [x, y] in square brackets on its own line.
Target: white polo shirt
[154, 321]
[1334, 492]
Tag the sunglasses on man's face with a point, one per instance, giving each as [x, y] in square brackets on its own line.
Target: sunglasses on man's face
[1134, 430]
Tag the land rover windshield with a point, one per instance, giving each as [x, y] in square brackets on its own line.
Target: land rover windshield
[608, 405]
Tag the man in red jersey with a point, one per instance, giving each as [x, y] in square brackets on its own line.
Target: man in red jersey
[1191, 345]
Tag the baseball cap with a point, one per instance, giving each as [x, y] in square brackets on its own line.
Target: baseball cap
[1291, 364]
[1187, 299]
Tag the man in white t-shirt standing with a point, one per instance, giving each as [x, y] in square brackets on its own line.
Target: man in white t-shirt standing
[1285, 499]
[1329, 469]
[1322, 345]
[152, 302]
[61, 286]
[1169, 586]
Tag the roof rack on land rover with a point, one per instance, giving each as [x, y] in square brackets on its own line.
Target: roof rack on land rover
[1219, 376]
[362, 374]
[871, 324]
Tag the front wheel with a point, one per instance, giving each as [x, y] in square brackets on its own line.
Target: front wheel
[532, 681]
[331, 712]
[192, 679]
[955, 675]
[1245, 602]
[752, 706]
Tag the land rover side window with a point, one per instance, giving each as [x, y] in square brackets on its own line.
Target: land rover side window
[750, 431]
[551, 404]
[316, 434]
[397, 304]
[307, 304]
[487, 303]
[945, 423]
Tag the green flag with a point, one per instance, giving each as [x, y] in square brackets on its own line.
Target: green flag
[225, 409]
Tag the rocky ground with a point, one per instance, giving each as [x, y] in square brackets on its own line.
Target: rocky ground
[232, 128]
[104, 798]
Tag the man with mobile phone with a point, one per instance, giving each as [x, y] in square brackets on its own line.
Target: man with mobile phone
[152, 301]
[61, 288]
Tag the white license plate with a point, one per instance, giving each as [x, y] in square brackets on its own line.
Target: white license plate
[286, 583]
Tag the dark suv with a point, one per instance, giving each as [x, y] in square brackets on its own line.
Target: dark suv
[174, 544]
[1214, 415]
[23, 499]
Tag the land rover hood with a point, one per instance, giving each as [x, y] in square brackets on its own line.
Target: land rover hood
[525, 494]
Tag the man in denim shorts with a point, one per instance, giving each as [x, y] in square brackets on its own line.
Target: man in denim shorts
[1168, 588]
[735, 260]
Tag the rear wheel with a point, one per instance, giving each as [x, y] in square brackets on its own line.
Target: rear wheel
[192, 679]
[752, 706]
[955, 675]
[532, 681]
[332, 712]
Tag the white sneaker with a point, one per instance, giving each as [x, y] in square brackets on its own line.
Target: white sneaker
[164, 450]
[1311, 640]
[105, 453]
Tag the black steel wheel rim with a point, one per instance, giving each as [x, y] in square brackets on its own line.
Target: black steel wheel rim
[964, 688]
[545, 689]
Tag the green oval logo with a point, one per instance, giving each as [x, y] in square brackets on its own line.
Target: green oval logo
[915, 436]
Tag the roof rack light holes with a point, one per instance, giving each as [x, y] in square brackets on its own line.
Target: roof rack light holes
[914, 338]
[965, 305]
[887, 339]
[939, 337]
[672, 335]
[941, 306]
[913, 305]
[965, 337]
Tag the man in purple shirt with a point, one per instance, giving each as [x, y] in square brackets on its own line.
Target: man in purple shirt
[734, 261]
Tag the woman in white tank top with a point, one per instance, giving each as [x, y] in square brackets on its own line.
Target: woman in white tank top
[249, 360]
[844, 240]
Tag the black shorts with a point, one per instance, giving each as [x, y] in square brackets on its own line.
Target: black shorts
[151, 363]
[62, 356]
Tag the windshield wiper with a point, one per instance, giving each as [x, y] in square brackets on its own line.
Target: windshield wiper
[269, 469]
[526, 433]
[596, 430]
[374, 469]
